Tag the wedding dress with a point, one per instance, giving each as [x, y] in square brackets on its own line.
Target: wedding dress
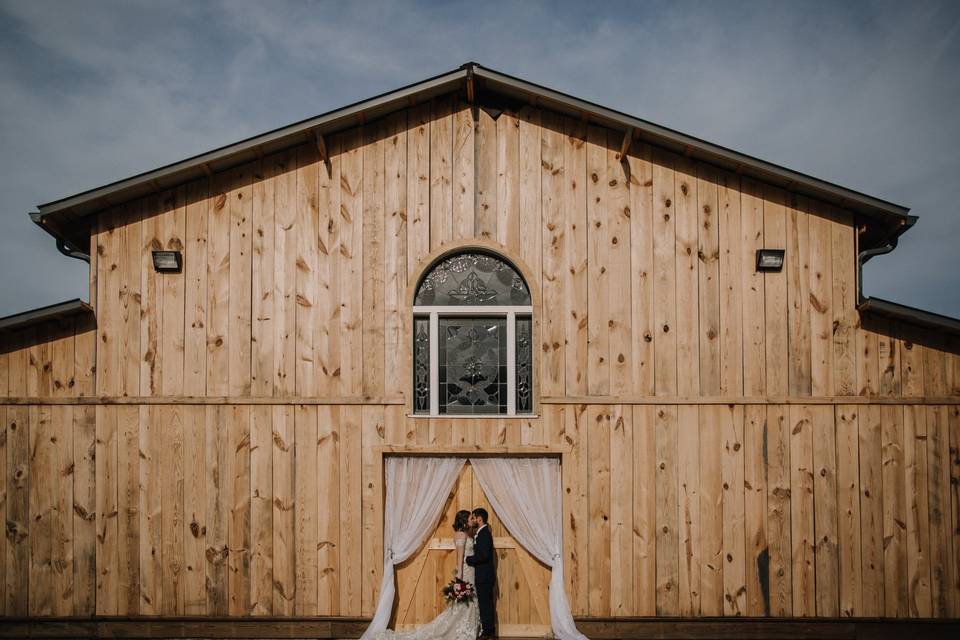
[459, 621]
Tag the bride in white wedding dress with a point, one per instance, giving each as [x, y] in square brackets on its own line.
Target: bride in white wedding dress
[459, 621]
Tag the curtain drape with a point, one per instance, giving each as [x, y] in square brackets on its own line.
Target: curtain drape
[416, 490]
[526, 495]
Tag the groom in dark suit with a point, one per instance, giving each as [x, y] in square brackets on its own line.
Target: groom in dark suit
[485, 572]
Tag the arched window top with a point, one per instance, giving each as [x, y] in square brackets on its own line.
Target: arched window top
[472, 278]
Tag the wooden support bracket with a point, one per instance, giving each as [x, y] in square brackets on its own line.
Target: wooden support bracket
[625, 144]
[322, 150]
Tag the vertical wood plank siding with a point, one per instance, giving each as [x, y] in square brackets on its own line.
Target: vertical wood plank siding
[296, 283]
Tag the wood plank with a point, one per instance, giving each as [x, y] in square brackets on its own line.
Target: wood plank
[62, 558]
[576, 508]
[464, 172]
[708, 276]
[308, 217]
[599, 421]
[825, 511]
[752, 288]
[690, 537]
[757, 564]
[155, 209]
[218, 289]
[194, 510]
[941, 551]
[552, 353]
[17, 522]
[171, 496]
[129, 508]
[306, 533]
[4, 371]
[219, 481]
[797, 266]
[126, 306]
[711, 511]
[688, 301]
[508, 180]
[151, 446]
[619, 249]
[598, 264]
[642, 271]
[238, 492]
[530, 193]
[850, 538]
[775, 294]
[350, 511]
[871, 539]
[734, 538]
[261, 510]
[441, 173]
[644, 511]
[351, 263]
[108, 251]
[263, 226]
[84, 510]
[43, 487]
[108, 579]
[285, 273]
[894, 514]
[284, 493]
[396, 347]
[918, 523]
[911, 362]
[621, 512]
[820, 301]
[731, 263]
[802, 510]
[372, 435]
[575, 271]
[888, 354]
[845, 317]
[328, 510]
[372, 312]
[868, 371]
[953, 419]
[174, 232]
[195, 289]
[326, 332]
[418, 185]
[665, 269]
[485, 216]
[667, 525]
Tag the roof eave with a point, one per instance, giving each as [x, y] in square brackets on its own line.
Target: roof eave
[910, 315]
[50, 313]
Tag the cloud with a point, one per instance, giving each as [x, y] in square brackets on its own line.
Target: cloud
[861, 94]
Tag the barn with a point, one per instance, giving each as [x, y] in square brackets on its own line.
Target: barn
[479, 268]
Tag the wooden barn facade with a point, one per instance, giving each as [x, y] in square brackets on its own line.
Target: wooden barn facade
[200, 452]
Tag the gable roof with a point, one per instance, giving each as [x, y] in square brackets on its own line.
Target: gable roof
[68, 219]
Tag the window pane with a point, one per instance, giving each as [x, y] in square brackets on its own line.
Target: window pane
[472, 279]
[472, 380]
[524, 399]
[421, 365]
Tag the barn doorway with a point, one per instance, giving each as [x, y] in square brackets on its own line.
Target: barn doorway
[522, 581]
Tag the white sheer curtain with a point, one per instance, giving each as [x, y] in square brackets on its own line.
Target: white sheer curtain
[416, 489]
[526, 494]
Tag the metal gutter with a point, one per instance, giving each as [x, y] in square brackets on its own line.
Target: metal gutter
[58, 311]
[912, 315]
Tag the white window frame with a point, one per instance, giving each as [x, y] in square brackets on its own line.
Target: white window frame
[499, 311]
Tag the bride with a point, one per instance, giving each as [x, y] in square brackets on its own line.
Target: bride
[459, 621]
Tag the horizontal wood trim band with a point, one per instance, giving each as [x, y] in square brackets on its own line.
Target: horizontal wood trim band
[595, 628]
[471, 450]
[448, 544]
[781, 628]
[752, 400]
[197, 400]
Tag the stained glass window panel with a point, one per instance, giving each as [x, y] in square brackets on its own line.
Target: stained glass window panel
[473, 278]
[524, 366]
[421, 365]
[473, 366]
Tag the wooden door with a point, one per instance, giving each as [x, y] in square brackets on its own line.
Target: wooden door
[522, 581]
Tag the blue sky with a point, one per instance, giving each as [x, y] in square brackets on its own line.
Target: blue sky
[864, 94]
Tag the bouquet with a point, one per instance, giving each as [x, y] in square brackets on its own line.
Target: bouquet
[458, 591]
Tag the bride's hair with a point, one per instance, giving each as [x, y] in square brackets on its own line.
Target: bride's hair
[460, 520]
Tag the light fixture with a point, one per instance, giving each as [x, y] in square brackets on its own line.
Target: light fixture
[167, 261]
[769, 259]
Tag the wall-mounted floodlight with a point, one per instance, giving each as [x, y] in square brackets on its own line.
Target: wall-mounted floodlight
[769, 259]
[167, 261]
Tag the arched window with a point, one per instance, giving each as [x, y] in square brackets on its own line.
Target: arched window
[472, 338]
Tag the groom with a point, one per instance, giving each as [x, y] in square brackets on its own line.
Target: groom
[485, 573]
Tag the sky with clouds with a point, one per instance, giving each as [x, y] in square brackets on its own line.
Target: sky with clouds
[863, 94]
